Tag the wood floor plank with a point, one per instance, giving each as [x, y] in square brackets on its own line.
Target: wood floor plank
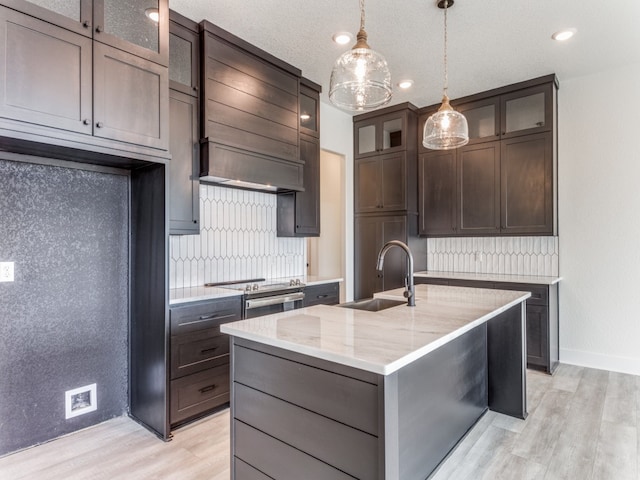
[620, 404]
[506, 466]
[539, 436]
[567, 377]
[616, 455]
[574, 453]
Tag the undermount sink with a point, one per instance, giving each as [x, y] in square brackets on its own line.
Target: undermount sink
[373, 304]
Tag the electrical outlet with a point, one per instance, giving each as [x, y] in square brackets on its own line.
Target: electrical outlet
[6, 271]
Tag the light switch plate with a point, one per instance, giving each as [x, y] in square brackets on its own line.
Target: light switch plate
[6, 271]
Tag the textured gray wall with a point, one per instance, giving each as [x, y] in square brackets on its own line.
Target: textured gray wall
[64, 321]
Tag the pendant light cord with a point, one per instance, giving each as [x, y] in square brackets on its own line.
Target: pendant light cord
[361, 14]
[446, 73]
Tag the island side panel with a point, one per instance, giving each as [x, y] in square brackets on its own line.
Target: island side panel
[507, 357]
[432, 403]
[294, 416]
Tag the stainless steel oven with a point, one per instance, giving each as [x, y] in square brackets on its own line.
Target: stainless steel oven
[263, 297]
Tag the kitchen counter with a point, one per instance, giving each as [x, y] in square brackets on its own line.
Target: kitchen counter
[194, 294]
[379, 342]
[490, 277]
[333, 392]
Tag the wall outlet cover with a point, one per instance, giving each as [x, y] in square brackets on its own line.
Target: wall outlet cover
[80, 401]
[6, 271]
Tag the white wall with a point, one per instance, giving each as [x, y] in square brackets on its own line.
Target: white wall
[336, 135]
[599, 220]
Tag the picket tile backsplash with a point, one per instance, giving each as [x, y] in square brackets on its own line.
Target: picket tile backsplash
[237, 241]
[501, 255]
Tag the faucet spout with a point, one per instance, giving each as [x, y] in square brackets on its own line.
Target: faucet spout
[409, 291]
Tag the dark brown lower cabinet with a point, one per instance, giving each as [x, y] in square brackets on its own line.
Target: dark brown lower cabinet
[371, 233]
[542, 317]
[325, 294]
[199, 359]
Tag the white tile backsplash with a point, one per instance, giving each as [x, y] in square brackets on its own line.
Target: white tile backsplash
[506, 255]
[237, 241]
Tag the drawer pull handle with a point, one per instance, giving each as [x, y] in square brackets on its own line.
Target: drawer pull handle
[208, 388]
[208, 317]
[208, 350]
[322, 296]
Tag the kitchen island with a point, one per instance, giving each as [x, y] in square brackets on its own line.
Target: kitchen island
[333, 393]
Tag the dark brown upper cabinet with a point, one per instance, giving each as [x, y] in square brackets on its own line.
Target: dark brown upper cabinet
[184, 114]
[122, 24]
[438, 201]
[385, 176]
[381, 183]
[299, 212]
[384, 133]
[60, 83]
[505, 176]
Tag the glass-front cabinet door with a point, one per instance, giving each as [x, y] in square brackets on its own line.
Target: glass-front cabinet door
[184, 55]
[527, 111]
[140, 27]
[384, 134]
[309, 99]
[483, 118]
[74, 15]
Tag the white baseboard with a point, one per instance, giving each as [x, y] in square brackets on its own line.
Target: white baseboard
[600, 361]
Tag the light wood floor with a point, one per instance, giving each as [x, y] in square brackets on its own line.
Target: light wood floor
[583, 424]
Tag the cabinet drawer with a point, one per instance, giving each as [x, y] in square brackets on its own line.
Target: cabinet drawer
[539, 293]
[195, 394]
[327, 294]
[353, 402]
[200, 316]
[196, 351]
[265, 453]
[430, 281]
[471, 283]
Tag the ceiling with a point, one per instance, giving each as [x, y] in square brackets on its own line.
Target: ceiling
[491, 42]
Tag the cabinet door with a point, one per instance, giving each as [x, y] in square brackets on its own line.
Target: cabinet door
[527, 185]
[537, 335]
[368, 241]
[393, 186]
[479, 188]
[45, 73]
[131, 98]
[437, 193]
[184, 56]
[483, 118]
[307, 210]
[309, 111]
[384, 134]
[527, 111]
[132, 27]
[184, 184]
[367, 185]
[74, 15]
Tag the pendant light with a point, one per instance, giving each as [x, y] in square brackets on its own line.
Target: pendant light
[360, 79]
[445, 129]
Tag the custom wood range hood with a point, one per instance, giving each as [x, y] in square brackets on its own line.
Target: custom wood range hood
[250, 128]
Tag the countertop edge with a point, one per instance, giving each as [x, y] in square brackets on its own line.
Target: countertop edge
[491, 277]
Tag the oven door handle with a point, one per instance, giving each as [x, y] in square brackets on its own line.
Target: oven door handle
[275, 300]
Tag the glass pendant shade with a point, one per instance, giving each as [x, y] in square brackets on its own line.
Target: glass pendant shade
[445, 129]
[360, 80]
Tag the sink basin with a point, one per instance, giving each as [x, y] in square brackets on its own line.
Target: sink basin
[373, 304]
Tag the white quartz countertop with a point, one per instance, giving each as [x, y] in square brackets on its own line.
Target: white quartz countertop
[490, 277]
[195, 294]
[380, 342]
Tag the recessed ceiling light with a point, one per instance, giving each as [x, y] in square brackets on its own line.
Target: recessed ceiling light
[565, 34]
[153, 14]
[404, 84]
[342, 38]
